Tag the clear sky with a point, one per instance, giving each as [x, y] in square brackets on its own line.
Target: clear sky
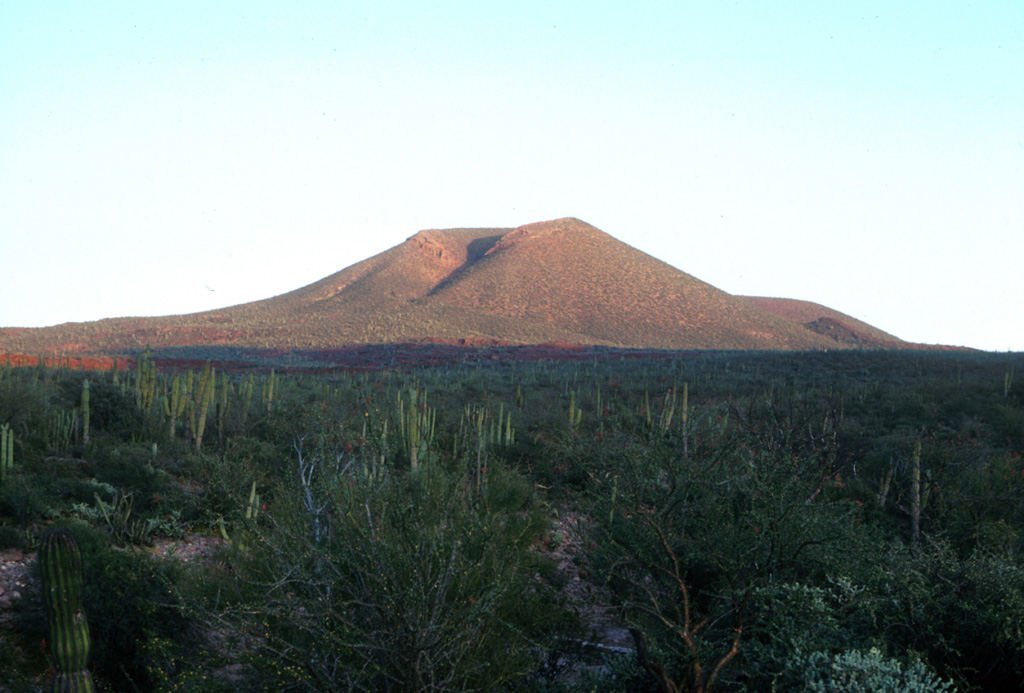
[171, 157]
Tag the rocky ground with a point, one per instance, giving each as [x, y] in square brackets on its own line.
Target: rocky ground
[583, 591]
[14, 577]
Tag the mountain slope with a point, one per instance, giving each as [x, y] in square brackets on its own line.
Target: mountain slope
[570, 274]
[560, 280]
[827, 322]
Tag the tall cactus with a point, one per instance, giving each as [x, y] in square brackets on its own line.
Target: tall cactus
[61, 563]
[204, 392]
[915, 495]
[6, 451]
[174, 406]
[268, 390]
[145, 381]
[575, 413]
[416, 425]
[247, 397]
[85, 411]
[222, 408]
[686, 419]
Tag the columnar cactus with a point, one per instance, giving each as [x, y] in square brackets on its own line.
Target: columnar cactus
[6, 451]
[145, 381]
[61, 563]
[85, 411]
[416, 426]
[686, 419]
[247, 397]
[174, 406]
[268, 390]
[207, 386]
[915, 494]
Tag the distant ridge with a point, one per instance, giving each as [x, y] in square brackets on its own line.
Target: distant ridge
[829, 323]
[559, 281]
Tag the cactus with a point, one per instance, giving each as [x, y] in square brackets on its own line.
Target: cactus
[685, 414]
[510, 434]
[174, 407]
[416, 426]
[207, 385]
[268, 390]
[883, 487]
[575, 413]
[915, 495]
[222, 408]
[61, 428]
[145, 381]
[85, 411]
[668, 411]
[247, 397]
[6, 452]
[481, 465]
[61, 563]
[253, 508]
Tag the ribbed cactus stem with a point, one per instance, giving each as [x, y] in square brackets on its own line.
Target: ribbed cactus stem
[269, 392]
[85, 411]
[247, 397]
[6, 451]
[208, 384]
[222, 407]
[175, 406]
[61, 563]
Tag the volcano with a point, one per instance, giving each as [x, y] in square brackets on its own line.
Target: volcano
[560, 281]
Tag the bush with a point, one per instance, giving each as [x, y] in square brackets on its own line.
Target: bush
[398, 582]
[855, 671]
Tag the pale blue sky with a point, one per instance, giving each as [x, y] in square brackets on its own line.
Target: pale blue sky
[865, 155]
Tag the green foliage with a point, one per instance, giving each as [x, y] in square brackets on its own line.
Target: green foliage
[11, 537]
[686, 541]
[773, 493]
[402, 583]
[125, 526]
[855, 671]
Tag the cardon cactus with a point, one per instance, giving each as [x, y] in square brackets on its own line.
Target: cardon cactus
[61, 563]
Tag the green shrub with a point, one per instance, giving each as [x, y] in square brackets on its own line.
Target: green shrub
[854, 671]
[399, 583]
[11, 537]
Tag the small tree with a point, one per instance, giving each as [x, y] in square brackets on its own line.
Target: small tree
[370, 579]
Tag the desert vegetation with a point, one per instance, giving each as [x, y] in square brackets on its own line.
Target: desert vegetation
[744, 521]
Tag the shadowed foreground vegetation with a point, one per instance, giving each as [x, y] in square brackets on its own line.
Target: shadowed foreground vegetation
[757, 521]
